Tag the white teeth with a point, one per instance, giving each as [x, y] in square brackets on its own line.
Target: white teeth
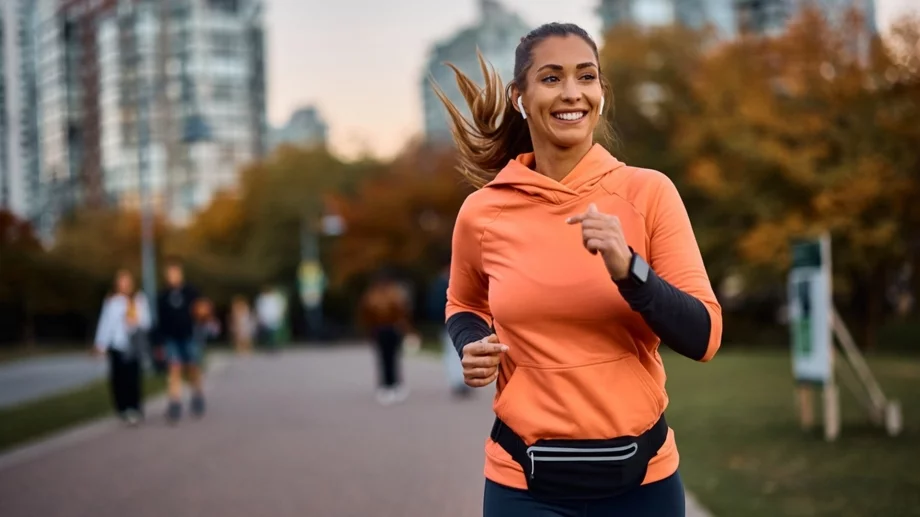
[570, 116]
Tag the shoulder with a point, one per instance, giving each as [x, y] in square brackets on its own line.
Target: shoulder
[644, 188]
[479, 209]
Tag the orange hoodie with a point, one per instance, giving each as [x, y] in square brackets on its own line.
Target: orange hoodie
[581, 363]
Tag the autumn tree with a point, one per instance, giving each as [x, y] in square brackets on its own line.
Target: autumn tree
[402, 217]
[809, 131]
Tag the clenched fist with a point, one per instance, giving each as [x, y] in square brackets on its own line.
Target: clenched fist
[603, 233]
[480, 361]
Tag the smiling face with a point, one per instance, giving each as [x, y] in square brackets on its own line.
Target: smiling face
[562, 93]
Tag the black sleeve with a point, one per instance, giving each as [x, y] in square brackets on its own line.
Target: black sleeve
[466, 327]
[679, 319]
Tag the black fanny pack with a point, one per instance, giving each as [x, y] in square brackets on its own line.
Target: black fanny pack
[565, 469]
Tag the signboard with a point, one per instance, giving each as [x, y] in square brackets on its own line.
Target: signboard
[810, 311]
[312, 282]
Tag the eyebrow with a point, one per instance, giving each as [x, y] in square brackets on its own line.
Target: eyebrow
[559, 67]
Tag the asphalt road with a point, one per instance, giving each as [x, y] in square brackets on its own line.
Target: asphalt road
[297, 434]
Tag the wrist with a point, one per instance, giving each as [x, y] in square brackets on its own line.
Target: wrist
[636, 273]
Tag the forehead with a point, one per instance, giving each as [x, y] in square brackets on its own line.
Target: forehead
[562, 50]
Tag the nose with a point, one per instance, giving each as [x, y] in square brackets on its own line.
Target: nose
[571, 91]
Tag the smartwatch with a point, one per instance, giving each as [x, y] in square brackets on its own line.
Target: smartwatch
[637, 274]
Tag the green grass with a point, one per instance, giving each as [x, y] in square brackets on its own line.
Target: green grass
[34, 420]
[744, 454]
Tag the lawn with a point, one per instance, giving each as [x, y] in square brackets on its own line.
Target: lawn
[34, 420]
[743, 454]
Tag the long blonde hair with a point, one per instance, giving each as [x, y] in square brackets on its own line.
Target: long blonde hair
[497, 133]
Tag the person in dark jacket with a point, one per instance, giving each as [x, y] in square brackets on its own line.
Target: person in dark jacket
[175, 331]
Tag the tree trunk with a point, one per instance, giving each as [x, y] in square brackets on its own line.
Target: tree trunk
[875, 306]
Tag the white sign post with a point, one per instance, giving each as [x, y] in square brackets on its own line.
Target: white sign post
[813, 325]
[810, 290]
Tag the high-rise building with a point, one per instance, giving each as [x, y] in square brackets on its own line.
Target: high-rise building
[19, 173]
[305, 128]
[496, 34]
[649, 13]
[771, 16]
[178, 85]
[729, 17]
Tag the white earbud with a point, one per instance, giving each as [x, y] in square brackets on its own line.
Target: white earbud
[602, 106]
[521, 106]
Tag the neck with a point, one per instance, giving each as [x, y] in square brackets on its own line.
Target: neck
[557, 162]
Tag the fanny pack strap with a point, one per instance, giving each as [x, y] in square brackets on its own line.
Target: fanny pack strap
[503, 435]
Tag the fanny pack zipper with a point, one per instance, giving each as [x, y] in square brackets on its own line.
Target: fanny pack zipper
[633, 448]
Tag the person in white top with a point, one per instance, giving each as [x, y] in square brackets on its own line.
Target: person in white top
[121, 335]
[271, 308]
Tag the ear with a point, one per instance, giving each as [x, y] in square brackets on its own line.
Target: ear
[514, 93]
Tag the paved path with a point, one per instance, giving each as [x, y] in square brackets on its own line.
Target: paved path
[297, 434]
[24, 380]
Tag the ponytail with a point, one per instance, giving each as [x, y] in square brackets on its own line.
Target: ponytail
[496, 134]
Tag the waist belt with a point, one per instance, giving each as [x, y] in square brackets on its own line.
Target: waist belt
[573, 469]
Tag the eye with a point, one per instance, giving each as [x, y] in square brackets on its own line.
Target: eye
[588, 77]
[549, 78]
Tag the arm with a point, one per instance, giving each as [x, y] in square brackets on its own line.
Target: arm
[467, 311]
[143, 312]
[103, 333]
[677, 301]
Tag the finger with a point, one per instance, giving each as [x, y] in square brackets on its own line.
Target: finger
[481, 361]
[491, 338]
[605, 234]
[592, 209]
[478, 373]
[478, 383]
[483, 348]
[575, 219]
[595, 245]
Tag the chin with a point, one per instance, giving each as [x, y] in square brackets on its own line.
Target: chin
[566, 141]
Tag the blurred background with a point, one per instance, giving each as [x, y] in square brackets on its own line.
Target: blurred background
[297, 146]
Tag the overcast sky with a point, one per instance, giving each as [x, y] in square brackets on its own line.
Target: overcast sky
[360, 61]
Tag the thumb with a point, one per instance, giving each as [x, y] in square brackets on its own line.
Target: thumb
[592, 208]
[493, 339]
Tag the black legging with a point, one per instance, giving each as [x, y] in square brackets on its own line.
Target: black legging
[124, 382]
[389, 342]
[664, 498]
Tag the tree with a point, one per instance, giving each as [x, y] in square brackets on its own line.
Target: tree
[402, 217]
[812, 130]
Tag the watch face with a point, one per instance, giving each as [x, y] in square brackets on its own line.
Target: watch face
[640, 269]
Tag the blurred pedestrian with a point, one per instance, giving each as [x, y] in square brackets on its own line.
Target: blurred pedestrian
[552, 298]
[176, 330]
[385, 316]
[121, 335]
[437, 300]
[271, 308]
[242, 325]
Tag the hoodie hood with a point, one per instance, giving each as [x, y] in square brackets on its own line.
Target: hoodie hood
[519, 175]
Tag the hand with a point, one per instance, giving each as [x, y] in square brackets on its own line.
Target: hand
[603, 233]
[97, 352]
[480, 361]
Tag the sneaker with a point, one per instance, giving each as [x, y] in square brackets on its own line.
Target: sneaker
[385, 396]
[198, 405]
[174, 412]
[132, 417]
[400, 394]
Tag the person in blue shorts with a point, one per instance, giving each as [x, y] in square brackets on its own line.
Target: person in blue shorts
[176, 332]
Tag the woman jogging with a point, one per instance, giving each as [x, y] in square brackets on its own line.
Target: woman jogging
[569, 268]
